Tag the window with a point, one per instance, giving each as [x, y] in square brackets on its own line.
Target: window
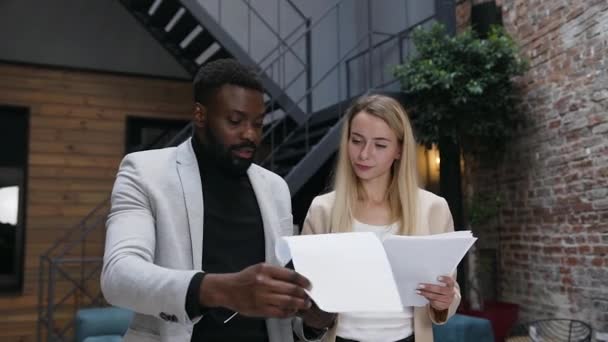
[14, 130]
[149, 133]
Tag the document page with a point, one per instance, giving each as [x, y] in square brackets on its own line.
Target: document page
[421, 259]
[349, 272]
[357, 272]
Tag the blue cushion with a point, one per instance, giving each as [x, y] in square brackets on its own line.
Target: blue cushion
[461, 328]
[101, 322]
[104, 338]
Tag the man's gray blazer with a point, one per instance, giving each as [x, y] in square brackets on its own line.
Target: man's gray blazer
[155, 237]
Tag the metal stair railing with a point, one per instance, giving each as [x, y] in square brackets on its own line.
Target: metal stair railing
[396, 40]
[345, 60]
[71, 268]
[398, 37]
[274, 68]
[282, 45]
[162, 19]
[311, 87]
[232, 47]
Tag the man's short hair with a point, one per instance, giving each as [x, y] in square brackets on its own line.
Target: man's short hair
[211, 76]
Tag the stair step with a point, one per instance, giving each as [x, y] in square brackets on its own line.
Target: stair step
[285, 126]
[317, 125]
[285, 155]
[201, 43]
[182, 28]
[313, 137]
[186, 33]
[164, 13]
[294, 149]
[324, 119]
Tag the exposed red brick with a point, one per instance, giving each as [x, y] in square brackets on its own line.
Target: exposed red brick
[571, 261]
[600, 250]
[554, 170]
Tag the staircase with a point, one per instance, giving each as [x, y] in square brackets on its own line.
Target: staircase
[299, 139]
[187, 31]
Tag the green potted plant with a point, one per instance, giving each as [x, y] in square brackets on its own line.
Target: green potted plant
[461, 88]
[462, 97]
[482, 210]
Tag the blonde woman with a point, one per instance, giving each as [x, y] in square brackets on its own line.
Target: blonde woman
[376, 189]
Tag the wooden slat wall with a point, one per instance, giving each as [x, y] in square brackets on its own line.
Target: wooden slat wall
[77, 128]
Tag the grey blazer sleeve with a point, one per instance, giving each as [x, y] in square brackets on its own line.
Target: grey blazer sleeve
[129, 278]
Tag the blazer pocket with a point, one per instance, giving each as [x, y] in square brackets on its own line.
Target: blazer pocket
[286, 226]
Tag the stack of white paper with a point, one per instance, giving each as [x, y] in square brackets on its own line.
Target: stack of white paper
[357, 272]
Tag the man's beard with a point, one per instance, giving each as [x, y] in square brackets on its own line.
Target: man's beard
[223, 155]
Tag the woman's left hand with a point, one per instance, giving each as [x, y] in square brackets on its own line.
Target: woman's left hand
[440, 296]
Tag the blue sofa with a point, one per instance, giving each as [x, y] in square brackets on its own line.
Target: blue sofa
[110, 324]
[461, 328]
[102, 324]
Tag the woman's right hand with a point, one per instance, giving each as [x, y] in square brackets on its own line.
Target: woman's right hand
[440, 297]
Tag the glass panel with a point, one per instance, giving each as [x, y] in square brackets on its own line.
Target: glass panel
[9, 218]
[14, 128]
[9, 205]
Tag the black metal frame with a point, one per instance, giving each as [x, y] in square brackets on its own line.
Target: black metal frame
[562, 329]
[131, 127]
[400, 37]
[14, 283]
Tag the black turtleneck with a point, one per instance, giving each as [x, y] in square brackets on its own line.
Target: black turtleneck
[233, 239]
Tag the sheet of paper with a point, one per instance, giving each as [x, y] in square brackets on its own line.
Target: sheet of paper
[421, 259]
[450, 235]
[349, 272]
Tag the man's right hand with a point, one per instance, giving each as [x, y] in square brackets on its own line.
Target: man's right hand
[260, 290]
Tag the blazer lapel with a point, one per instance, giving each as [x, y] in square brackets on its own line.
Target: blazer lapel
[263, 193]
[190, 178]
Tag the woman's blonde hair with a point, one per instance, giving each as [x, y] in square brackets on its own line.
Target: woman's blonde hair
[402, 192]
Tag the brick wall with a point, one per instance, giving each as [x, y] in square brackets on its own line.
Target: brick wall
[552, 231]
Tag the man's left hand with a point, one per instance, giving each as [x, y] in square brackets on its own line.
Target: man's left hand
[317, 318]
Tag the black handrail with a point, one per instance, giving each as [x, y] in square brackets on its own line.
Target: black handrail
[277, 36]
[399, 35]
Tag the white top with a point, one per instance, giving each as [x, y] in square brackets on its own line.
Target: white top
[376, 326]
